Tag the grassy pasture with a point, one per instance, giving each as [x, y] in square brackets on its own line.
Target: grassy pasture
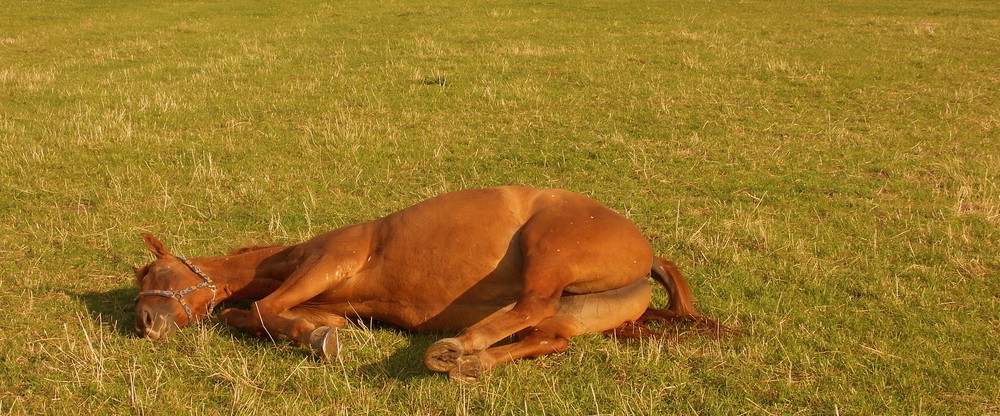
[826, 174]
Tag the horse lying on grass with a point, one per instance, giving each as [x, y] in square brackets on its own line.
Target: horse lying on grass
[544, 264]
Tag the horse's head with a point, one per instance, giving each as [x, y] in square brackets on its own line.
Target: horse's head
[173, 292]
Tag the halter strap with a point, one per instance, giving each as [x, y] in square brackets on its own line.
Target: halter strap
[179, 295]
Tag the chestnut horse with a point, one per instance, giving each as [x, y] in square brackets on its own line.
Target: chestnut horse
[544, 264]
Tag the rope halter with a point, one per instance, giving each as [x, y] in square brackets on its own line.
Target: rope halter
[180, 294]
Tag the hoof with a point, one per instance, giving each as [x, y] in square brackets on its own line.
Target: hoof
[326, 342]
[468, 369]
[443, 355]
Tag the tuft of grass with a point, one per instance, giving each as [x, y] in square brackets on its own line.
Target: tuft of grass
[825, 174]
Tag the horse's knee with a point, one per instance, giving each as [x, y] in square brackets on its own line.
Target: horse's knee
[233, 317]
[242, 319]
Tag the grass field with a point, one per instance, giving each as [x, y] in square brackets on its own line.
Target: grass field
[826, 174]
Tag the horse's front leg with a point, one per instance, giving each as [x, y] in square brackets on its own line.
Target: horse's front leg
[262, 322]
[277, 315]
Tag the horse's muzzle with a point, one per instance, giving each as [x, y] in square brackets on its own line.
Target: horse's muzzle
[152, 324]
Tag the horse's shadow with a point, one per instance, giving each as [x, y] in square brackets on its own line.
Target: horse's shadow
[115, 308]
[403, 363]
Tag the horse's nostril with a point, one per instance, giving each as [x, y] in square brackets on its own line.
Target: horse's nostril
[147, 319]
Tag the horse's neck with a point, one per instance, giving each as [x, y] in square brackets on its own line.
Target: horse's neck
[248, 275]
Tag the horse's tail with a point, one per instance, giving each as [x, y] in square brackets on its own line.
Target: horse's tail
[679, 309]
[681, 304]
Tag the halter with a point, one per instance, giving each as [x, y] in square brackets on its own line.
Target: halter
[180, 294]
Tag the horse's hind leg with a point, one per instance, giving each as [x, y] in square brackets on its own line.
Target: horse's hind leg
[578, 314]
[539, 301]
[468, 368]
[575, 246]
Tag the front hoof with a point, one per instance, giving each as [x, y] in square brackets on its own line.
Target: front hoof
[326, 341]
[443, 355]
[468, 369]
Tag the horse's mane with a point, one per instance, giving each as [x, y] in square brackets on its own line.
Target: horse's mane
[247, 249]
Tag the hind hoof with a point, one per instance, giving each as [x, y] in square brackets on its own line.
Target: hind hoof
[468, 369]
[443, 355]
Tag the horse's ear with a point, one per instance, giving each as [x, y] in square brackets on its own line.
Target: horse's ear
[154, 245]
[139, 274]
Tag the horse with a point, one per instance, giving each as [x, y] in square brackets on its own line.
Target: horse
[543, 265]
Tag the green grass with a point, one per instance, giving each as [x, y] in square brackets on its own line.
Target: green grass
[825, 174]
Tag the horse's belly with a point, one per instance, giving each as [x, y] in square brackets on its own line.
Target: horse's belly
[421, 317]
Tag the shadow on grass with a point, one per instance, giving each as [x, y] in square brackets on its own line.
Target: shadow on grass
[403, 364]
[114, 307]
